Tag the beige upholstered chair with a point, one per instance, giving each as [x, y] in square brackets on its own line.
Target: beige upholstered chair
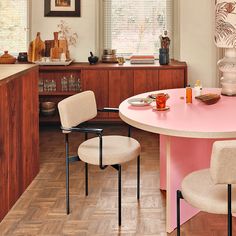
[211, 190]
[102, 150]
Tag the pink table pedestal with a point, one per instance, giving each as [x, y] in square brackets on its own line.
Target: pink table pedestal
[187, 132]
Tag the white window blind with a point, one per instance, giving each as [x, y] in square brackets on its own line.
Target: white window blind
[134, 26]
[13, 25]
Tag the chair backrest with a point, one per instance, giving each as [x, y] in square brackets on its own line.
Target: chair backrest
[77, 109]
[223, 162]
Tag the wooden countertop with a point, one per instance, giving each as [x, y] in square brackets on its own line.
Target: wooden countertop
[9, 70]
[127, 65]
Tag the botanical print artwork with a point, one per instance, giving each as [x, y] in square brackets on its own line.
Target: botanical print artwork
[225, 24]
[62, 3]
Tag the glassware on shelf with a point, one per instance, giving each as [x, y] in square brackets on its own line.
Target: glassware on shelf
[45, 86]
[48, 86]
[72, 83]
[54, 86]
[64, 84]
[40, 83]
[79, 88]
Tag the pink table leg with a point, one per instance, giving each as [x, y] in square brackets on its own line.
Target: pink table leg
[179, 157]
[163, 162]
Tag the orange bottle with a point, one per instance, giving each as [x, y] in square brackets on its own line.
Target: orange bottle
[188, 94]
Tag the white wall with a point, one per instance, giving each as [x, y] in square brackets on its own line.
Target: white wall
[197, 46]
[84, 26]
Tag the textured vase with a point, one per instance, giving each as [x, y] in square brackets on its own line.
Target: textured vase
[164, 56]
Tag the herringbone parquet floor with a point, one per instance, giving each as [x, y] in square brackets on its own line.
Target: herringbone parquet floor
[41, 209]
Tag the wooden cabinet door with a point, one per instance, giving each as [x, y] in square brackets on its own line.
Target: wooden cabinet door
[97, 81]
[15, 166]
[4, 151]
[120, 87]
[145, 80]
[171, 78]
[30, 124]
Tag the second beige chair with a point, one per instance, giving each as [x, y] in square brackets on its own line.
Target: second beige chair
[211, 190]
[102, 150]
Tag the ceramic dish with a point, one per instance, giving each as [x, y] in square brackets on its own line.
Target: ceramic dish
[140, 102]
[160, 109]
[209, 98]
[54, 63]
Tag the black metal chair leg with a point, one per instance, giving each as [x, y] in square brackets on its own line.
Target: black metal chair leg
[138, 177]
[229, 210]
[86, 170]
[67, 177]
[129, 131]
[86, 179]
[119, 195]
[178, 197]
[67, 188]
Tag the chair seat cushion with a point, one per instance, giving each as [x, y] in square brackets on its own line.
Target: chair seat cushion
[116, 150]
[199, 191]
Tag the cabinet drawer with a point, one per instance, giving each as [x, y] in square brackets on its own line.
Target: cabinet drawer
[171, 79]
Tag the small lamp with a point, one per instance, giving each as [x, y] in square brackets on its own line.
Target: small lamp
[225, 37]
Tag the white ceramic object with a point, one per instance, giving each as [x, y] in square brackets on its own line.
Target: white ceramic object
[227, 66]
[140, 102]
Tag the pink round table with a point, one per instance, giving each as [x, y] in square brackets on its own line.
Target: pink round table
[187, 132]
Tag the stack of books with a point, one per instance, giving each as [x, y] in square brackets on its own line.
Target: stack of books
[139, 59]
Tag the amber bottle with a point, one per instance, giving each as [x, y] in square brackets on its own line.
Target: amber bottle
[188, 94]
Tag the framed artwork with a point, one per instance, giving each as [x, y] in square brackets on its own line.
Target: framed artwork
[64, 8]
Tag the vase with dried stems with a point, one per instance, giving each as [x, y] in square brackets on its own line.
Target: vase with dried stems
[66, 36]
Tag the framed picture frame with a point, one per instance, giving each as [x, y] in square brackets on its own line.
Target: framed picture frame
[63, 8]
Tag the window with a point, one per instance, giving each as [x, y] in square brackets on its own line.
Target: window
[135, 26]
[14, 25]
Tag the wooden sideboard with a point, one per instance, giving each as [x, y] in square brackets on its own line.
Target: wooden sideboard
[111, 83]
[19, 135]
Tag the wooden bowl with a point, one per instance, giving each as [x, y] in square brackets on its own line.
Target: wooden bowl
[209, 98]
[48, 112]
[7, 58]
[7, 61]
[48, 105]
